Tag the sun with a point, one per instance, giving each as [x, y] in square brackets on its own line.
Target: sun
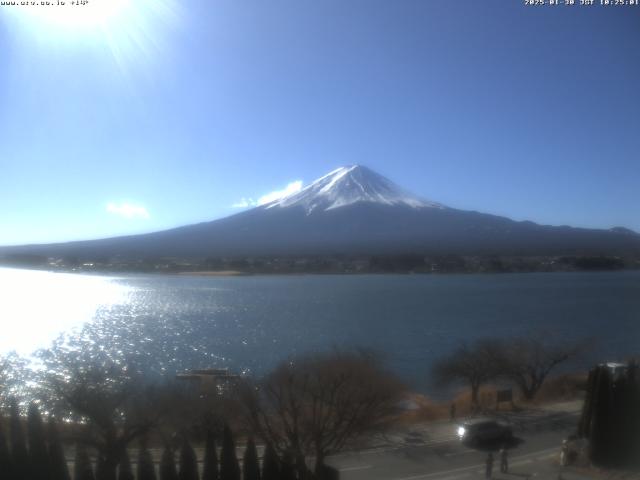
[134, 31]
[77, 14]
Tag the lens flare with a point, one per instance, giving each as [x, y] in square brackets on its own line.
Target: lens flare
[76, 14]
[131, 29]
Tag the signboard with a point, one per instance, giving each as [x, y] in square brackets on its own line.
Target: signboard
[504, 396]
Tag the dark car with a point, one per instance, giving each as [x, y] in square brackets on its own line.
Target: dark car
[478, 431]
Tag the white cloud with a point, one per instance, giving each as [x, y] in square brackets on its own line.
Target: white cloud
[244, 203]
[293, 187]
[290, 189]
[127, 210]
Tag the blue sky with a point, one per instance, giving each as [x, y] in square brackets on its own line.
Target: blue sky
[165, 113]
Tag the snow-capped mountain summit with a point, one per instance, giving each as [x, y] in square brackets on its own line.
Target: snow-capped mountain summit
[348, 185]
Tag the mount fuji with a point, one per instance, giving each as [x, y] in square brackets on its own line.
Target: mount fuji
[347, 186]
[354, 211]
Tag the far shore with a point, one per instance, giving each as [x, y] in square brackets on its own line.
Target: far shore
[240, 273]
[218, 273]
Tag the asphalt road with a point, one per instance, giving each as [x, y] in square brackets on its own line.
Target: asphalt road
[433, 452]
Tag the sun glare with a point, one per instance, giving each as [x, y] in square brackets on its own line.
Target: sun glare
[77, 14]
[131, 29]
[38, 305]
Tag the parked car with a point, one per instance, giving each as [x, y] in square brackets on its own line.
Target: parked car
[478, 431]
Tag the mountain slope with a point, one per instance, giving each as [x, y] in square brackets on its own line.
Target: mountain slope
[352, 210]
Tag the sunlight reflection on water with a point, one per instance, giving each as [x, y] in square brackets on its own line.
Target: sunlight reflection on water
[165, 324]
[38, 306]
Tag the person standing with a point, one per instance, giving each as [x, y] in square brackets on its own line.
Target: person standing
[452, 412]
[504, 461]
[488, 472]
[564, 454]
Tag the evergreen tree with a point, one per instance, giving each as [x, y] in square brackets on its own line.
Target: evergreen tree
[633, 428]
[101, 468]
[6, 468]
[270, 464]
[250, 465]
[599, 433]
[188, 462]
[168, 469]
[287, 471]
[82, 469]
[125, 471]
[38, 452]
[19, 450]
[229, 467]
[611, 418]
[584, 425]
[146, 469]
[619, 419]
[57, 460]
[623, 432]
[210, 471]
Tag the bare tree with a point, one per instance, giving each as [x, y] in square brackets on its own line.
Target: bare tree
[525, 361]
[14, 374]
[109, 406]
[320, 404]
[474, 365]
[528, 361]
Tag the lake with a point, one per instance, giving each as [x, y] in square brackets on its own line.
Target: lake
[251, 323]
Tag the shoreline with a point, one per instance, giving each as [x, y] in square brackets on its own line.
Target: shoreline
[213, 273]
[239, 273]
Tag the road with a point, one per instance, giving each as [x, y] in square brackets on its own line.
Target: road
[432, 451]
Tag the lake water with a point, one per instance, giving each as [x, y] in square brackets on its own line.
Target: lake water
[254, 322]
